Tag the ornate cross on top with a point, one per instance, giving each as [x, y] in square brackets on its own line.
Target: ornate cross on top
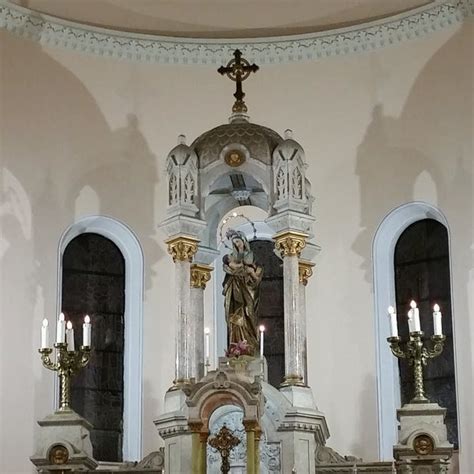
[224, 442]
[238, 69]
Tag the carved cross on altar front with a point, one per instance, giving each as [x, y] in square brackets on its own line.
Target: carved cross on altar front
[238, 69]
[224, 442]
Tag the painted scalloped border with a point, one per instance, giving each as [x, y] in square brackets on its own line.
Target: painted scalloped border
[55, 32]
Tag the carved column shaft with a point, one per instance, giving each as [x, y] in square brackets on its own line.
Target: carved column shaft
[182, 250]
[290, 245]
[200, 275]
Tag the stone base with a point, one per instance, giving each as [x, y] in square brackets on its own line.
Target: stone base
[63, 444]
[301, 430]
[423, 445]
[422, 433]
[173, 428]
[423, 467]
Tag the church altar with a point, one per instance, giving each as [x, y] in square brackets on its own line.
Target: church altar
[229, 418]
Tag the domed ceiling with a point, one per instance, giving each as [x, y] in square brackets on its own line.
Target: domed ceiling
[222, 18]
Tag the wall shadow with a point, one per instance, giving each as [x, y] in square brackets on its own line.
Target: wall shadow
[55, 141]
[432, 135]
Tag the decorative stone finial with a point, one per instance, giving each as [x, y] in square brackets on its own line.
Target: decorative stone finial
[288, 134]
[181, 139]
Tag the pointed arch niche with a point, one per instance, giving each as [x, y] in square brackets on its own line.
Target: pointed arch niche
[388, 377]
[128, 244]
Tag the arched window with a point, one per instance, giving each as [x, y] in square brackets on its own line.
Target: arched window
[422, 273]
[270, 310]
[93, 282]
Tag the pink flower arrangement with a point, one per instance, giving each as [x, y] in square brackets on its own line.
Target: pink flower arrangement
[238, 349]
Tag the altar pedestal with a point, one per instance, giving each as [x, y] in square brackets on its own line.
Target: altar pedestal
[301, 430]
[423, 445]
[63, 444]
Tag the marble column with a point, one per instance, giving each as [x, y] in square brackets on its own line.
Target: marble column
[290, 244]
[182, 250]
[305, 272]
[200, 275]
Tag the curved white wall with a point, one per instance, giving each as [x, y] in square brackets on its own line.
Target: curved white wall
[370, 124]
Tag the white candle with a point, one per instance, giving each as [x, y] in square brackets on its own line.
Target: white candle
[414, 318]
[393, 321]
[438, 328]
[44, 334]
[61, 329]
[70, 336]
[86, 331]
[207, 334]
[262, 332]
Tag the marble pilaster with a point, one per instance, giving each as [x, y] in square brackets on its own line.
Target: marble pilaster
[200, 275]
[305, 272]
[290, 244]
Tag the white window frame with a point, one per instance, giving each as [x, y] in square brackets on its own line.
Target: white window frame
[383, 251]
[125, 239]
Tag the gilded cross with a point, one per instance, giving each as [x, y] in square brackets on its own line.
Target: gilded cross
[238, 69]
[224, 442]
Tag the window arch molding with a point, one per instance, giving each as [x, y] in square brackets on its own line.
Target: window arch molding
[383, 251]
[127, 242]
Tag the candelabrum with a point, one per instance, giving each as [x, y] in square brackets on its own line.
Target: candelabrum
[417, 354]
[67, 364]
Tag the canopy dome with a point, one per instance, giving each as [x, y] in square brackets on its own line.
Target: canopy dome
[258, 141]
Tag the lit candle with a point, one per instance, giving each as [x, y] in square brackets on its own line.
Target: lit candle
[70, 336]
[393, 321]
[86, 331]
[262, 331]
[414, 318]
[438, 329]
[45, 334]
[207, 334]
[61, 329]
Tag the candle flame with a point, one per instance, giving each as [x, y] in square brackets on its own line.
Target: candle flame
[413, 304]
[87, 319]
[61, 317]
[45, 323]
[69, 325]
[234, 214]
[207, 331]
[391, 310]
[436, 307]
[262, 328]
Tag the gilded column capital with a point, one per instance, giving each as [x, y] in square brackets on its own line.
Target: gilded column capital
[305, 270]
[182, 248]
[290, 243]
[195, 426]
[251, 425]
[200, 275]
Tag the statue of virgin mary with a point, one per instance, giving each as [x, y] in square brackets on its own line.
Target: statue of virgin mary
[241, 292]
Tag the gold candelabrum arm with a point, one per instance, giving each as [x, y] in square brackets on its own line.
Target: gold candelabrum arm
[417, 355]
[67, 365]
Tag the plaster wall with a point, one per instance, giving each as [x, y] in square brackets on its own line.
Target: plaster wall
[84, 135]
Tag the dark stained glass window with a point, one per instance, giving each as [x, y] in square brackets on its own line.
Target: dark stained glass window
[422, 274]
[270, 310]
[94, 284]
